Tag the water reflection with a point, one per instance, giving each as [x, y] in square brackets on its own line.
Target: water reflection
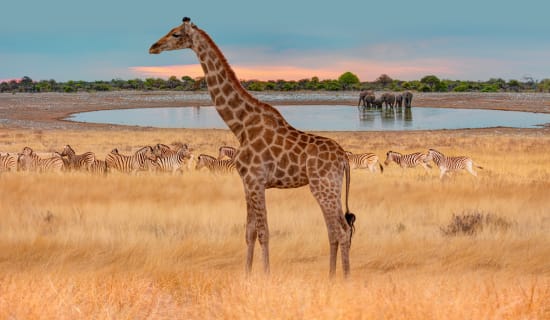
[325, 118]
[395, 118]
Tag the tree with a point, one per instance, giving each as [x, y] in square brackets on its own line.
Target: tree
[384, 80]
[26, 84]
[431, 81]
[348, 80]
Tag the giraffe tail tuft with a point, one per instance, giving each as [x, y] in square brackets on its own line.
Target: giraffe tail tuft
[350, 219]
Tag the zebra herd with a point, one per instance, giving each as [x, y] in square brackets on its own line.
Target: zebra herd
[157, 158]
[163, 158]
[444, 163]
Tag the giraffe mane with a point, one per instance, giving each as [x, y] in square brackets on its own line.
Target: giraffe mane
[231, 73]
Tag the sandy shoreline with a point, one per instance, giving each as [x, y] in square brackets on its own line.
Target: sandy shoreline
[46, 110]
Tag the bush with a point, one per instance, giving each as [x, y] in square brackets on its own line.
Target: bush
[489, 88]
[471, 223]
[463, 87]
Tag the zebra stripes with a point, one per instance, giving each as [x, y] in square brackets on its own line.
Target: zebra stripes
[78, 161]
[226, 151]
[364, 161]
[98, 167]
[172, 162]
[407, 160]
[130, 164]
[28, 160]
[8, 162]
[214, 165]
[448, 164]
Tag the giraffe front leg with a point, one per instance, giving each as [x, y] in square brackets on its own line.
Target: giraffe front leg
[256, 227]
[251, 236]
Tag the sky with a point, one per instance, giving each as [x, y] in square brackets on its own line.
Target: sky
[279, 39]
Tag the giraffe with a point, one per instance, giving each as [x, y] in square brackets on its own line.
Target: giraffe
[272, 154]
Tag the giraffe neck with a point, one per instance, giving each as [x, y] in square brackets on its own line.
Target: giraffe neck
[236, 106]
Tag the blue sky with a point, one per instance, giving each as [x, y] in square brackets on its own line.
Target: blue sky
[106, 39]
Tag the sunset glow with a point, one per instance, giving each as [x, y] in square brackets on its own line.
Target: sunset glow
[365, 70]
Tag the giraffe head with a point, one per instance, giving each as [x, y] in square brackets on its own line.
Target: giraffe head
[178, 38]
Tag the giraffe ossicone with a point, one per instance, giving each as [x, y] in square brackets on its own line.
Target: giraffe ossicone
[272, 153]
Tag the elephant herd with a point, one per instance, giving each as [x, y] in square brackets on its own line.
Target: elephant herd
[369, 100]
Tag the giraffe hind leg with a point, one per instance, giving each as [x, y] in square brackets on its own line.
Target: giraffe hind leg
[327, 195]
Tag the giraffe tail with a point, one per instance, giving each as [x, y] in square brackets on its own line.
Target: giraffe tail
[350, 217]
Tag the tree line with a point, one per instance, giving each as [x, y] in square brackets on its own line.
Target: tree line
[347, 81]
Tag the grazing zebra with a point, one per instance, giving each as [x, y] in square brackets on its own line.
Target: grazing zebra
[364, 161]
[408, 160]
[214, 165]
[226, 151]
[8, 162]
[28, 160]
[448, 164]
[78, 161]
[98, 167]
[172, 162]
[130, 164]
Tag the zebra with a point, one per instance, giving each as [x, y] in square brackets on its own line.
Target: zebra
[448, 164]
[172, 162]
[162, 150]
[214, 165]
[78, 161]
[364, 161]
[28, 160]
[8, 162]
[130, 164]
[98, 167]
[227, 151]
[408, 160]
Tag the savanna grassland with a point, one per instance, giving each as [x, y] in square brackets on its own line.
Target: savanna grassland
[76, 246]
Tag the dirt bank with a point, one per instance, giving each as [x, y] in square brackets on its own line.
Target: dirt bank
[46, 110]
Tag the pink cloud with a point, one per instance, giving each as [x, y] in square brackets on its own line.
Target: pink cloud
[366, 70]
[10, 79]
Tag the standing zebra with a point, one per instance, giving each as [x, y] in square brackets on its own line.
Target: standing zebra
[226, 151]
[8, 162]
[78, 161]
[130, 164]
[98, 167]
[408, 160]
[28, 160]
[172, 162]
[448, 164]
[364, 161]
[162, 150]
[214, 165]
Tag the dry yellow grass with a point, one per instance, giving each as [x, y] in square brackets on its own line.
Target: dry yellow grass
[172, 247]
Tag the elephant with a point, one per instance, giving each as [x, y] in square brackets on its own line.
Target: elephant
[367, 97]
[399, 100]
[378, 102]
[388, 99]
[407, 99]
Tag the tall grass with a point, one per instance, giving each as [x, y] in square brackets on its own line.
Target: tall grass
[163, 246]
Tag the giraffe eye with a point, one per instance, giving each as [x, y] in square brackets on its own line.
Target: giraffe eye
[176, 35]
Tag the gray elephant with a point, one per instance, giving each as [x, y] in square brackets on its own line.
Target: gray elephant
[388, 99]
[407, 99]
[377, 102]
[398, 100]
[367, 98]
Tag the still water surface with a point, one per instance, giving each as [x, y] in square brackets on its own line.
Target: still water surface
[325, 118]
